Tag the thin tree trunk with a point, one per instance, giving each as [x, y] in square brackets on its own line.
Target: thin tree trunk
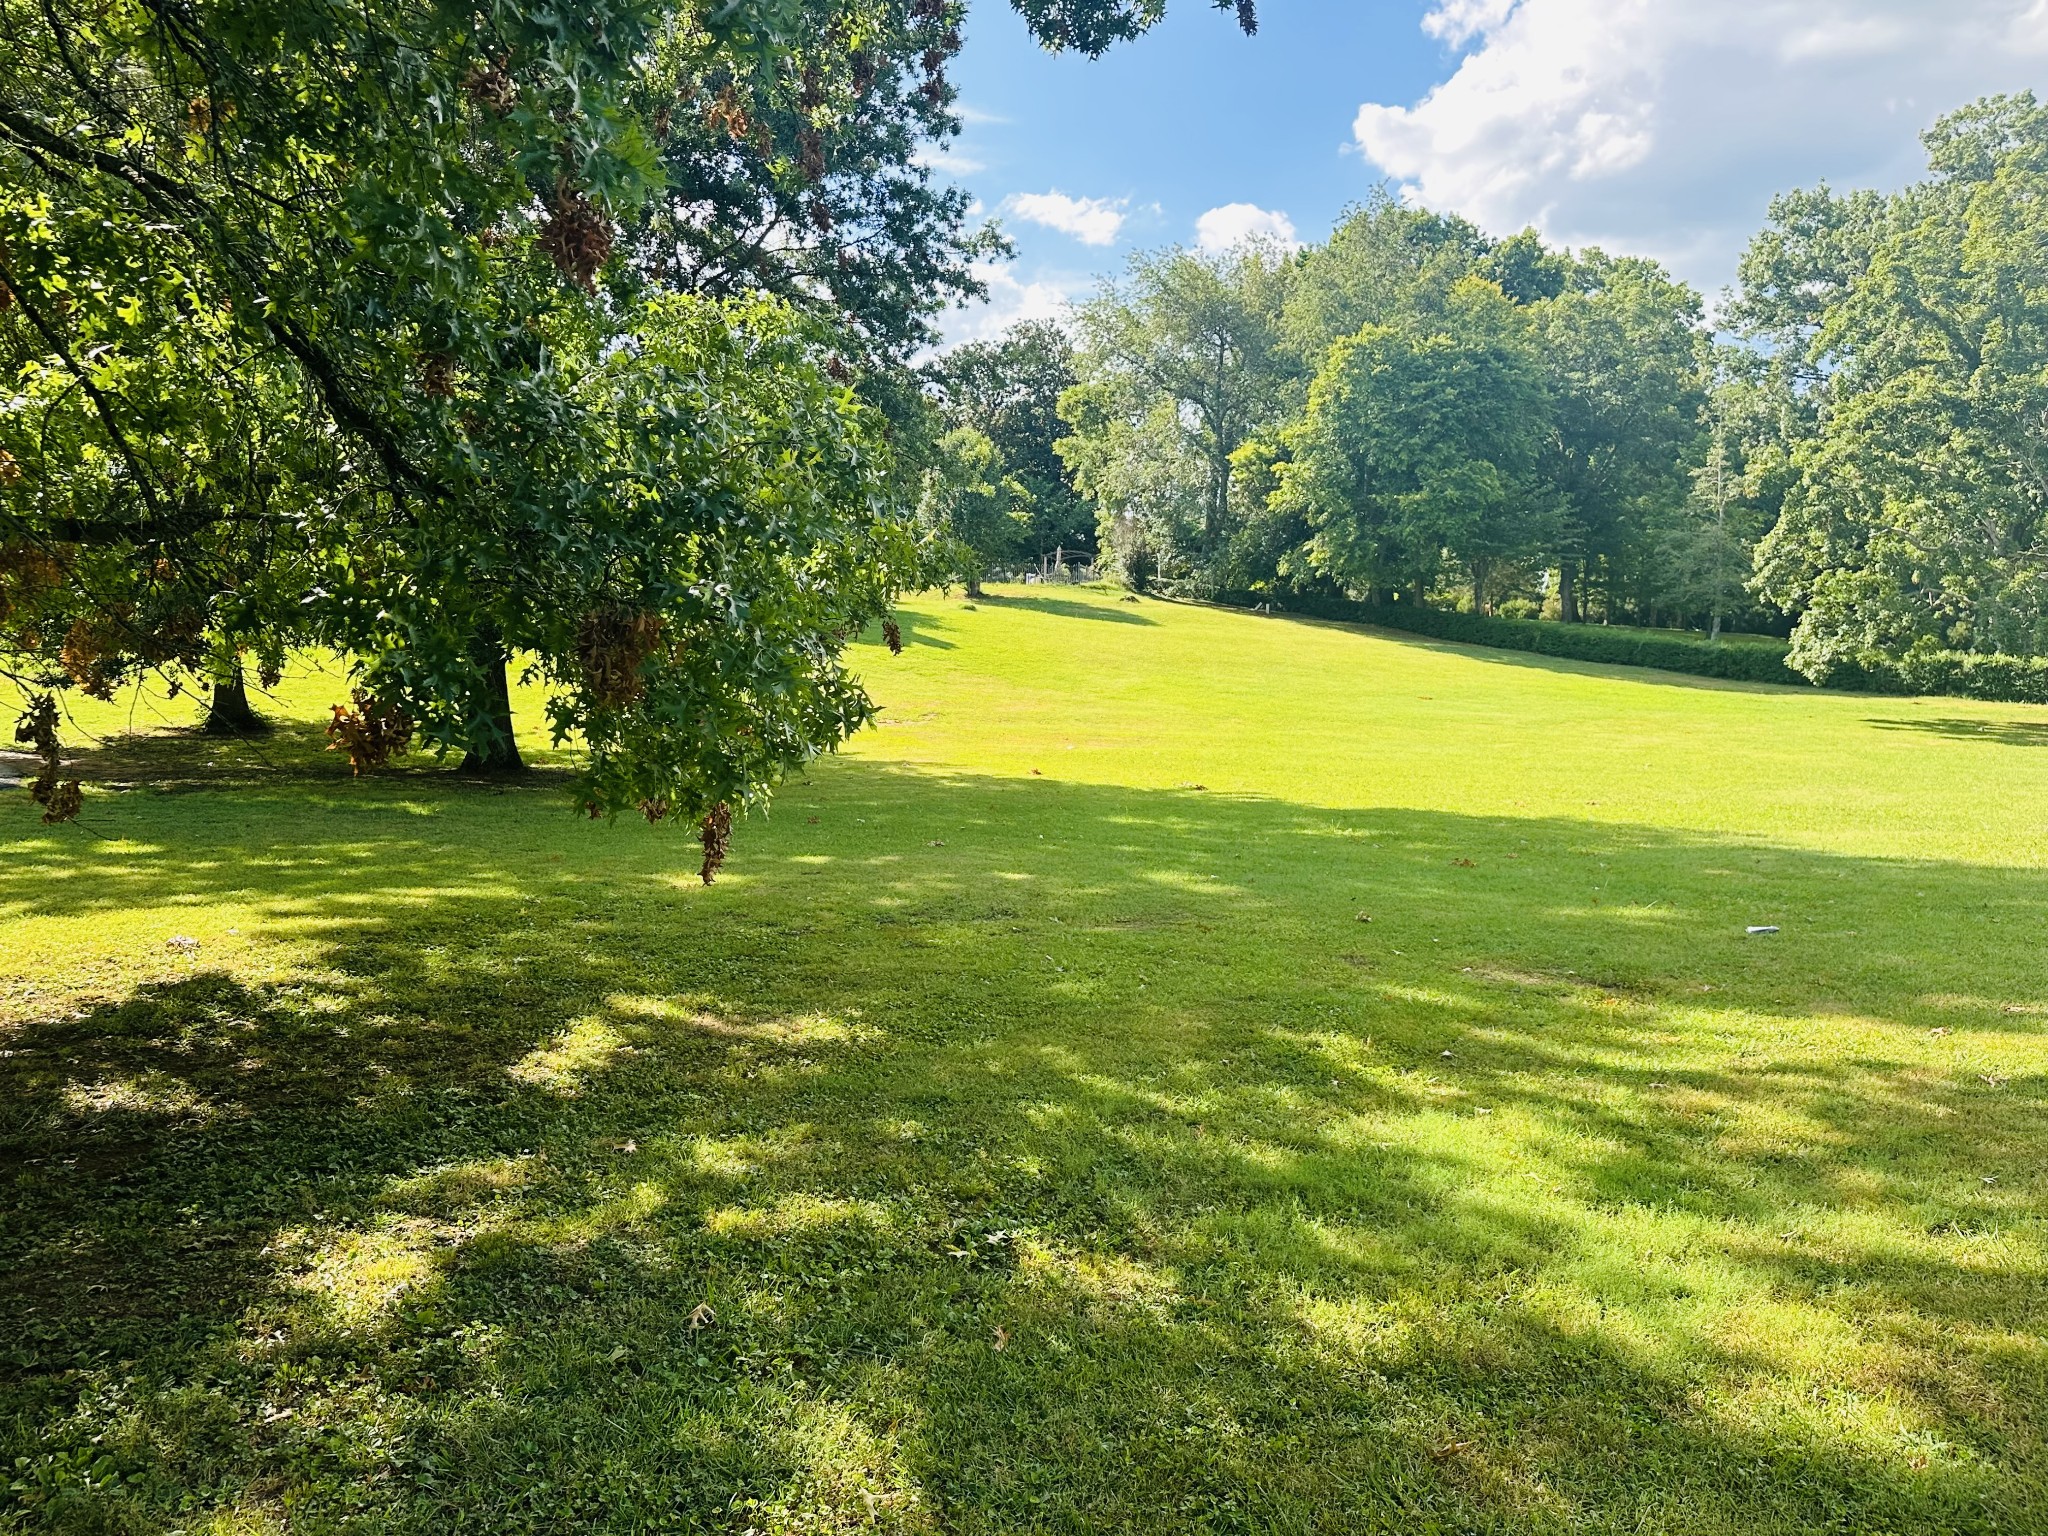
[1567, 592]
[228, 713]
[1479, 587]
[974, 584]
[498, 752]
[1714, 631]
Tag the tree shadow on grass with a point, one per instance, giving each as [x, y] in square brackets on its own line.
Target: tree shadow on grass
[1068, 608]
[2011, 733]
[1530, 660]
[999, 1155]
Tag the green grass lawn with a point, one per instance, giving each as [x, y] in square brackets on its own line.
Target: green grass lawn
[1032, 1132]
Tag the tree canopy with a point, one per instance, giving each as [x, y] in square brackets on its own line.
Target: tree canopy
[444, 337]
[1914, 520]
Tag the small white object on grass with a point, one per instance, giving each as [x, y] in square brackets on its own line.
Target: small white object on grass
[1755, 930]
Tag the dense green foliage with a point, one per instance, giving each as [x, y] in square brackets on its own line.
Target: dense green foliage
[444, 336]
[1051, 1151]
[1916, 516]
[1180, 367]
[1419, 444]
[1408, 406]
[980, 513]
[1499, 427]
[1008, 391]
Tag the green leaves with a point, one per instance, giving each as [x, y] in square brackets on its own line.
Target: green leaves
[1420, 439]
[1916, 515]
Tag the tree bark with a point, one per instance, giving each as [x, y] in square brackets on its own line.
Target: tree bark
[1567, 592]
[974, 584]
[228, 713]
[1479, 587]
[498, 752]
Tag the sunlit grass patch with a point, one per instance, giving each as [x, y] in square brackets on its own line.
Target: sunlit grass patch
[1400, 1131]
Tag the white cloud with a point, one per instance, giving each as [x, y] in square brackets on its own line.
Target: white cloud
[1223, 229]
[1011, 300]
[946, 160]
[1664, 126]
[1456, 21]
[1090, 220]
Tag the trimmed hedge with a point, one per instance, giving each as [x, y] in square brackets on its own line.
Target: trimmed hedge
[1964, 674]
[1746, 661]
[2004, 679]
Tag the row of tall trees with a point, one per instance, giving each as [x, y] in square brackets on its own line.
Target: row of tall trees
[442, 335]
[1412, 412]
[1407, 407]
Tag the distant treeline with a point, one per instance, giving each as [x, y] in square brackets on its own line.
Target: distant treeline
[1494, 429]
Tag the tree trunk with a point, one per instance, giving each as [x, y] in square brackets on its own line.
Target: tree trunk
[974, 584]
[1714, 632]
[1567, 592]
[1416, 589]
[1479, 587]
[229, 713]
[498, 752]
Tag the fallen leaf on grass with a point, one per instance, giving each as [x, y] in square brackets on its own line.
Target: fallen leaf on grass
[702, 1316]
[1464, 864]
[1002, 1338]
[1455, 1448]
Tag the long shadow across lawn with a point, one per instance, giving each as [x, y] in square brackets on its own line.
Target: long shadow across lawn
[1067, 608]
[992, 1155]
[2012, 733]
[1501, 656]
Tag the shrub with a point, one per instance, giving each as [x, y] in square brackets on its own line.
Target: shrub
[1752, 662]
[1751, 659]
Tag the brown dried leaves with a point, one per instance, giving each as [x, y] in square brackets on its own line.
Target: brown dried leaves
[37, 728]
[372, 733]
[611, 647]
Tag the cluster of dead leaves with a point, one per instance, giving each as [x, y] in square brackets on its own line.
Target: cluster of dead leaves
[37, 728]
[717, 834]
[372, 733]
[576, 236]
[611, 647]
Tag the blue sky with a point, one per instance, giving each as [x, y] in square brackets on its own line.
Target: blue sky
[1660, 127]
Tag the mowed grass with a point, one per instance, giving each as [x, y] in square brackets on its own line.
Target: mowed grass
[1030, 1132]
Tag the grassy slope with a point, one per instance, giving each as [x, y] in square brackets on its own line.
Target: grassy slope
[1053, 1143]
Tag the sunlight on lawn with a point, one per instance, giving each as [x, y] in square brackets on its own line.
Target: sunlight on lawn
[1127, 1093]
